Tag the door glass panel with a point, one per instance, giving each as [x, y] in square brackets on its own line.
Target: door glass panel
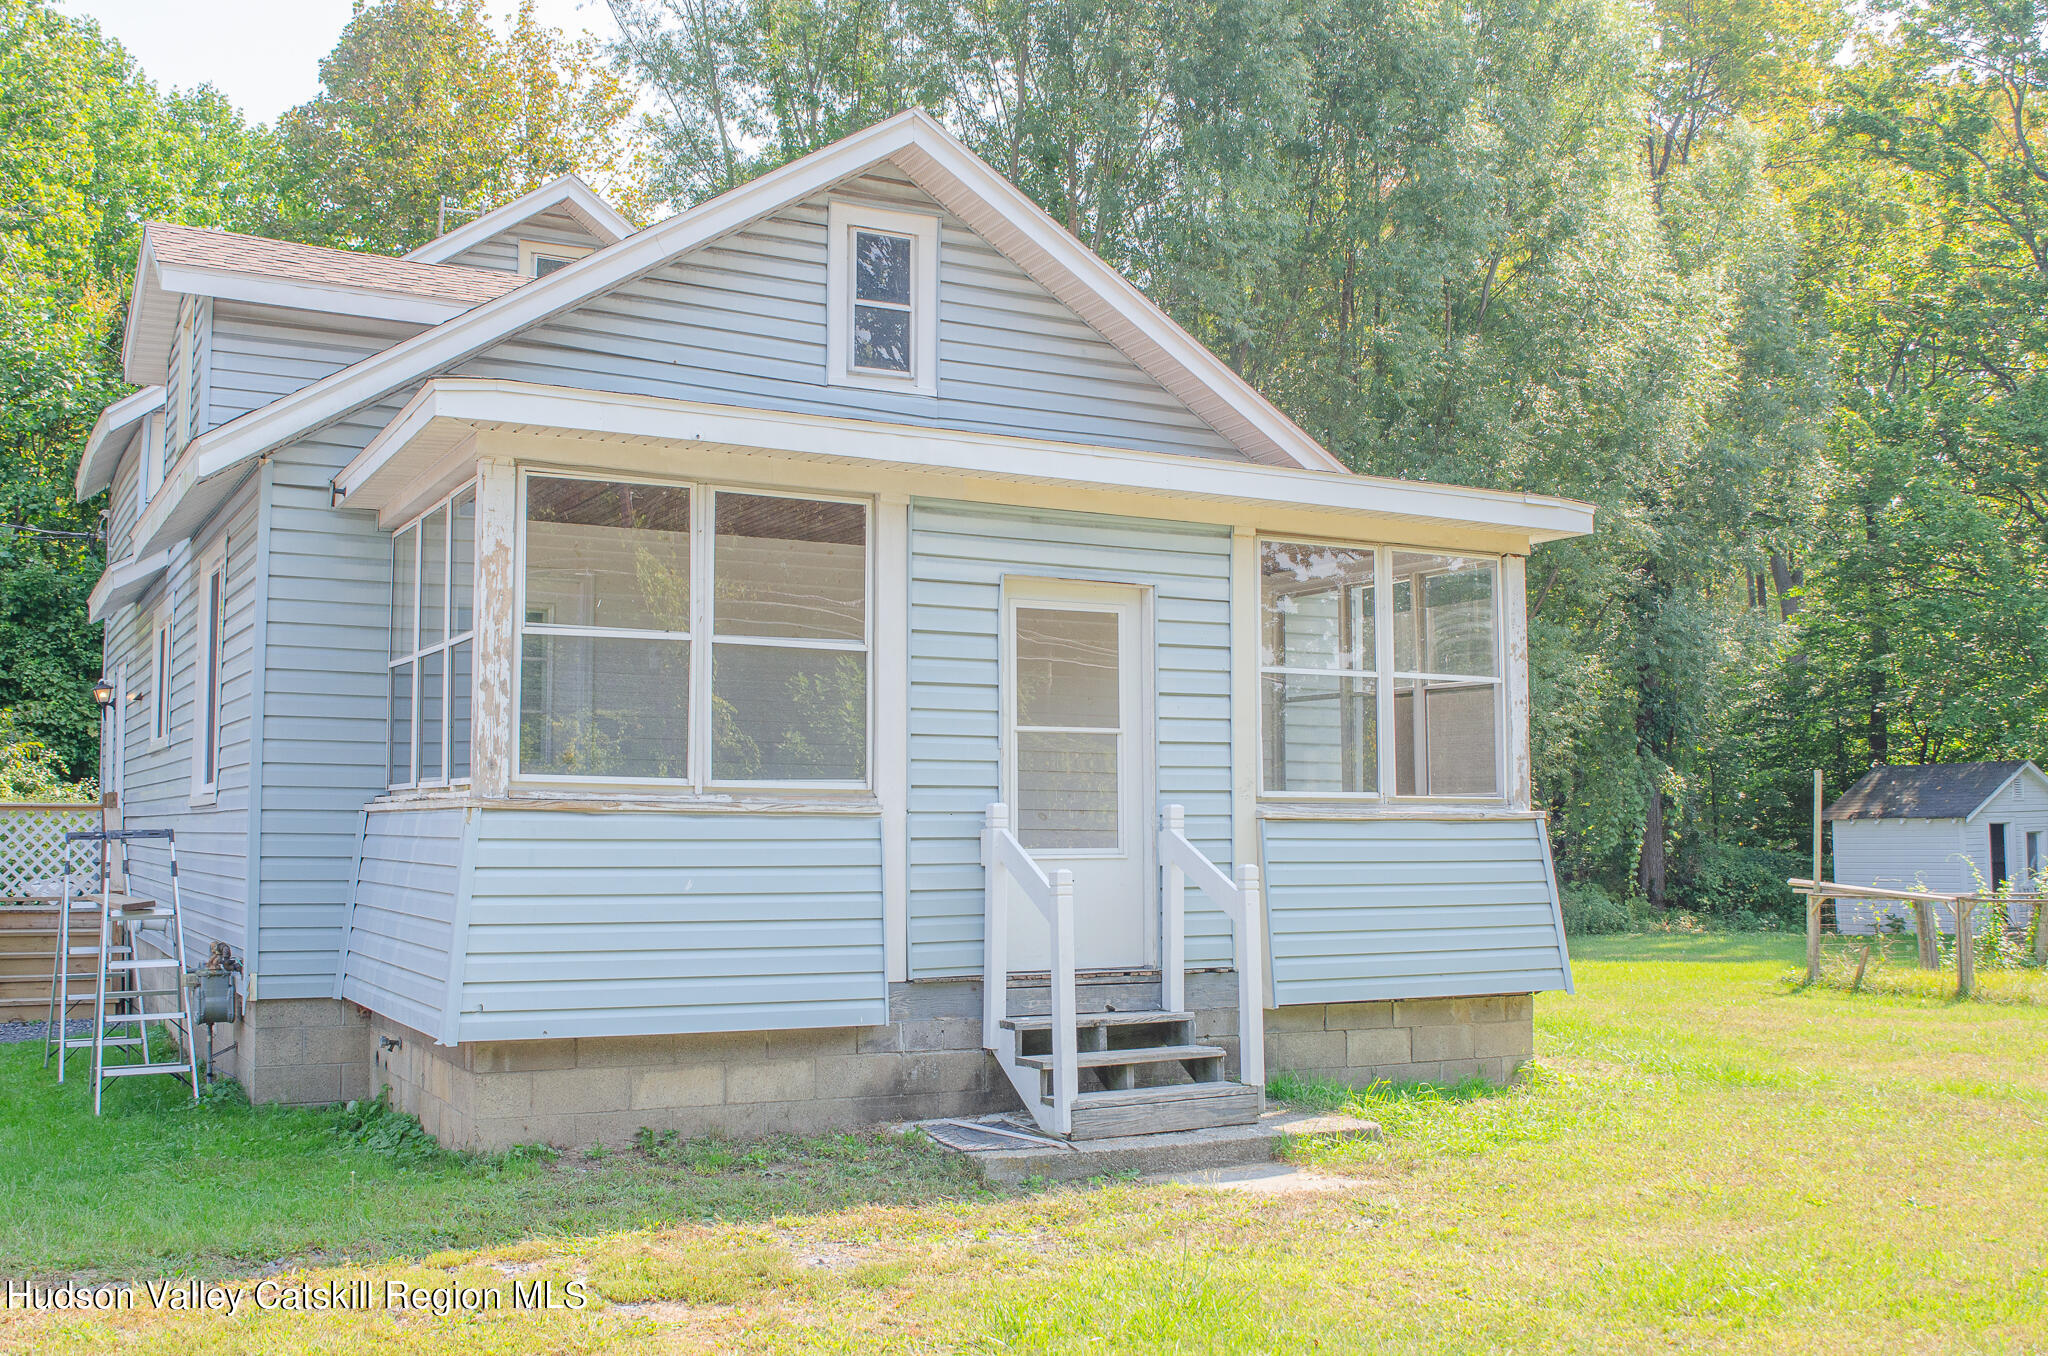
[1069, 718]
[1066, 669]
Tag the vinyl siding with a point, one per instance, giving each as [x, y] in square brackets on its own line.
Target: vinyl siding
[263, 353]
[401, 927]
[1366, 910]
[501, 251]
[959, 555]
[212, 839]
[657, 923]
[324, 705]
[742, 322]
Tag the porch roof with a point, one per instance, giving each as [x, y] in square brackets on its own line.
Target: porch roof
[426, 449]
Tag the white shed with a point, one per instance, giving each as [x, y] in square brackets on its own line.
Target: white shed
[1945, 827]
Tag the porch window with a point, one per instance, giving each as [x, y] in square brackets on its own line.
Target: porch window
[1446, 676]
[1380, 672]
[433, 644]
[1318, 668]
[633, 668]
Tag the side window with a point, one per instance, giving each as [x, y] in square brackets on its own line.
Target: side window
[538, 258]
[209, 671]
[882, 299]
[160, 679]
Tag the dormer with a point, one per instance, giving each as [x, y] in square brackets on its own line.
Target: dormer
[535, 234]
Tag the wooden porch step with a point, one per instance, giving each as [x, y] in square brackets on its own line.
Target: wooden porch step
[1147, 1111]
[1137, 1054]
[1100, 1019]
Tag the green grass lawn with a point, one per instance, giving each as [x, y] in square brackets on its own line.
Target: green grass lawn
[1704, 1157]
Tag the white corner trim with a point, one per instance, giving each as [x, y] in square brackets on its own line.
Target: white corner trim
[842, 220]
[532, 250]
[599, 217]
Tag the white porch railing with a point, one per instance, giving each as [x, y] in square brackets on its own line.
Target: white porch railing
[32, 846]
[1239, 900]
[1005, 862]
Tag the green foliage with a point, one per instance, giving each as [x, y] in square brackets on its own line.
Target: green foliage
[1589, 910]
[31, 771]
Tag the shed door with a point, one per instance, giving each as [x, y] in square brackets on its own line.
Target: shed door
[1077, 765]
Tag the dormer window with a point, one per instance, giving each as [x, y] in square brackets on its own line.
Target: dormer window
[538, 258]
[882, 299]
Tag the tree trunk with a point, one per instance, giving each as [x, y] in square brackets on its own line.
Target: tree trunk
[1650, 867]
[1786, 579]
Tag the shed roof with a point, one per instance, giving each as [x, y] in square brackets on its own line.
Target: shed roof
[1934, 791]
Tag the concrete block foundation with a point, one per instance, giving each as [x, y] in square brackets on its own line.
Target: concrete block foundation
[927, 1063]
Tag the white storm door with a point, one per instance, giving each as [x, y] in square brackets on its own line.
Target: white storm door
[1077, 765]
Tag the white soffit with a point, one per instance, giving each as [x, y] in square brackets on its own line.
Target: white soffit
[448, 410]
[123, 583]
[111, 435]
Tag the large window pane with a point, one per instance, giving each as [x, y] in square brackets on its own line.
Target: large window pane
[1318, 606]
[1320, 733]
[600, 707]
[881, 267]
[1453, 629]
[434, 577]
[1067, 791]
[1067, 668]
[458, 709]
[785, 714]
[600, 553]
[404, 590]
[462, 582]
[433, 678]
[1447, 732]
[790, 568]
[401, 724]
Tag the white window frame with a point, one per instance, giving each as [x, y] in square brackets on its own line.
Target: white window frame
[443, 647]
[210, 637]
[161, 665]
[703, 500]
[152, 451]
[842, 220]
[1385, 676]
[531, 252]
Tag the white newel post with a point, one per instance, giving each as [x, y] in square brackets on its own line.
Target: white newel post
[995, 915]
[1173, 925]
[1066, 1073]
[494, 724]
[1251, 969]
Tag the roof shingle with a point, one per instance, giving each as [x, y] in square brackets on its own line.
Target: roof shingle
[1935, 791]
[199, 248]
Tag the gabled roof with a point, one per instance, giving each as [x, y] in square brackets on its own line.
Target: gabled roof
[568, 193]
[1933, 791]
[110, 436]
[177, 261]
[958, 179]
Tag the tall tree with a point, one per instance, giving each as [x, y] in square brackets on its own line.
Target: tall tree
[429, 116]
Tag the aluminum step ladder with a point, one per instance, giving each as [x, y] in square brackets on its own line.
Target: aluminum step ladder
[134, 993]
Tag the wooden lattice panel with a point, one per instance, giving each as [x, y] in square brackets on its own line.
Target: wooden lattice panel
[32, 846]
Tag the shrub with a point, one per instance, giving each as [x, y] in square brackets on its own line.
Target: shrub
[1739, 885]
[1588, 909]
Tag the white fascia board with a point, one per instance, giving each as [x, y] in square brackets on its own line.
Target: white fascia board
[448, 408]
[123, 583]
[146, 338]
[111, 434]
[599, 217]
[298, 295]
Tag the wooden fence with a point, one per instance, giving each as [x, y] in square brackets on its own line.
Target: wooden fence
[1926, 930]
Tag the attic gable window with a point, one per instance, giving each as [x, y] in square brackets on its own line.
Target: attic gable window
[882, 299]
[538, 258]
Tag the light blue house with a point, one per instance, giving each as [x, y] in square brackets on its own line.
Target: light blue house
[604, 678]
